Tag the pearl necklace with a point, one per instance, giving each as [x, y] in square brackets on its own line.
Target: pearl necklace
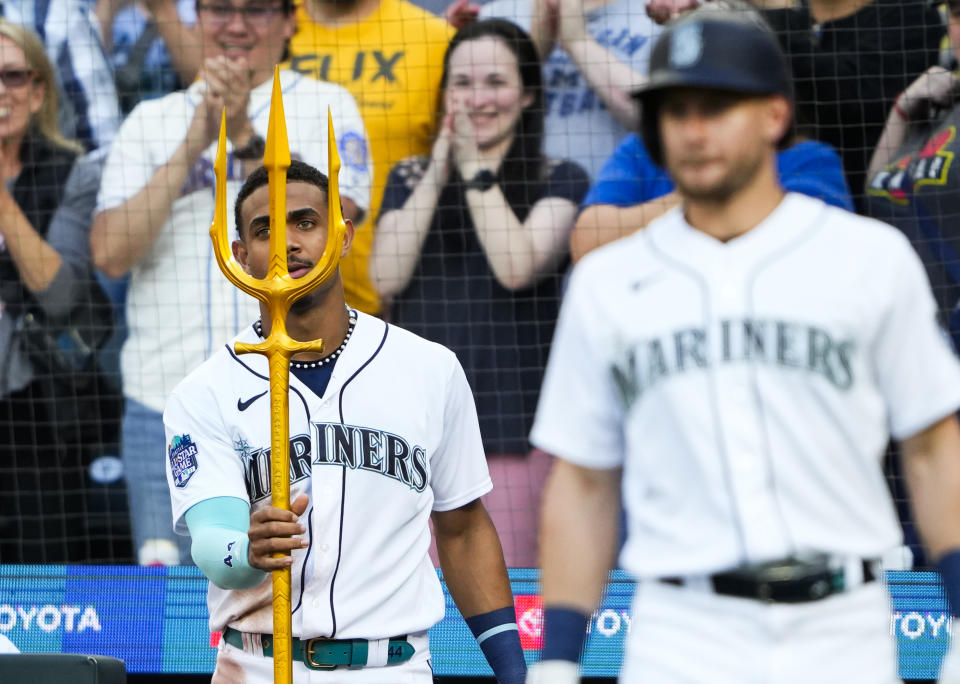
[300, 365]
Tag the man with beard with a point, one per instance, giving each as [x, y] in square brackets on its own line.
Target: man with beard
[384, 440]
[735, 372]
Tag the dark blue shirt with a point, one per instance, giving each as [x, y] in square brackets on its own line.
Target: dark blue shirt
[500, 336]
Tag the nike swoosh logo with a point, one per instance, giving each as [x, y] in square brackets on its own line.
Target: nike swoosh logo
[244, 405]
[644, 282]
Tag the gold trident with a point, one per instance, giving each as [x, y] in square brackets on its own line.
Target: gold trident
[278, 291]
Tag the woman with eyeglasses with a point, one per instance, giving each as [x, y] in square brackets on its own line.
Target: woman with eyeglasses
[472, 243]
[47, 195]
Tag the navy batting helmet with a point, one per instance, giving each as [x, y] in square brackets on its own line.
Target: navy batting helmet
[716, 49]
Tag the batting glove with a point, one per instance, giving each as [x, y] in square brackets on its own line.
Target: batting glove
[554, 672]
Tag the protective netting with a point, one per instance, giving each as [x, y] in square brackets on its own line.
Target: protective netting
[110, 294]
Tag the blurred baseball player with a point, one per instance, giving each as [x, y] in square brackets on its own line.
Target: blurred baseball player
[734, 371]
[384, 437]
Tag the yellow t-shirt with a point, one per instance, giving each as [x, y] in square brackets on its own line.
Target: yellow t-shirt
[391, 62]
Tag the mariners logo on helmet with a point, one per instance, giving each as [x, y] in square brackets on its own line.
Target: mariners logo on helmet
[686, 45]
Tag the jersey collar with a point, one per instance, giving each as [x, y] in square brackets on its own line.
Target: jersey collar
[363, 344]
[794, 216]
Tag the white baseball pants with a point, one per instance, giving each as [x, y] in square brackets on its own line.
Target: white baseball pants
[688, 635]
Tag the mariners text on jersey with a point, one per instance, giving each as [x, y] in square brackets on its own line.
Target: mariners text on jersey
[349, 446]
[373, 450]
[788, 344]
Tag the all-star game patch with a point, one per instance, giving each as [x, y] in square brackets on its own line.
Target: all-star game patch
[183, 459]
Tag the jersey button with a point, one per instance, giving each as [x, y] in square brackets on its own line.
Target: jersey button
[324, 547]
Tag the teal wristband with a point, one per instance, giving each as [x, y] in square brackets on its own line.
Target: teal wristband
[219, 527]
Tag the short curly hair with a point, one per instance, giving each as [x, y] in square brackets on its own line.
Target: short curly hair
[299, 172]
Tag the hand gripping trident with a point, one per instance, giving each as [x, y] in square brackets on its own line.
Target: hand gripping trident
[278, 291]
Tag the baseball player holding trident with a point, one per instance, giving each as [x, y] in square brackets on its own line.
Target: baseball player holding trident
[383, 437]
[734, 371]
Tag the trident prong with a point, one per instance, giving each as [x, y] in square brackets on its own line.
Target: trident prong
[278, 291]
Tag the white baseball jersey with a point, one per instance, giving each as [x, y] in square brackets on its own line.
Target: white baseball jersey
[394, 437]
[748, 388]
[180, 308]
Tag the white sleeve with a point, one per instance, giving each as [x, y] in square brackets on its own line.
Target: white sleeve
[92, 89]
[458, 468]
[356, 164]
[201, 462]
[128, 168]
[579, 416]
[916, 369]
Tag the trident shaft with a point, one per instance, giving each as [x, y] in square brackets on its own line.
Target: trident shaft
[277, 292]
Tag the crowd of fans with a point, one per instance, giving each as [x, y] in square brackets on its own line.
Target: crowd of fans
[484, 150]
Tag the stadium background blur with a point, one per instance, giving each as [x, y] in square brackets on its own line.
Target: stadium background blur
[851, 68]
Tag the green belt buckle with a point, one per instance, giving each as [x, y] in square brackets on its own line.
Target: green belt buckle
[322, 653]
